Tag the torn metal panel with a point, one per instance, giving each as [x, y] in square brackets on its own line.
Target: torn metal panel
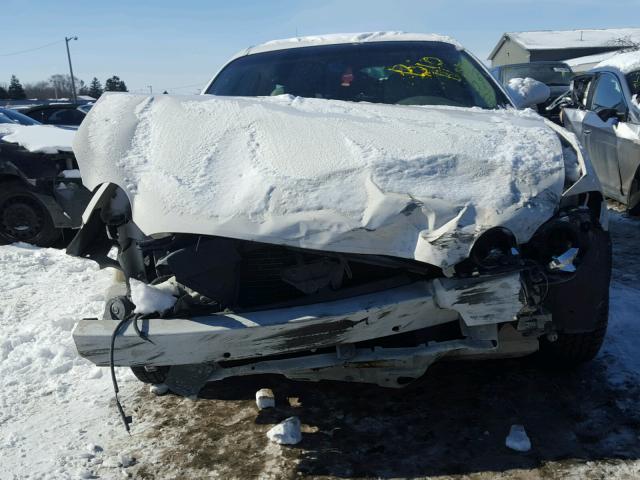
[481, 301]
[188, 380]
[222, 337]
[230, 336]
[387, 367]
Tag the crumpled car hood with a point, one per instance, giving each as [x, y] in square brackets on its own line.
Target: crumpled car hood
[413, 182]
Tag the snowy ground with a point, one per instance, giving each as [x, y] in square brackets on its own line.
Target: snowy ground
[57, 418]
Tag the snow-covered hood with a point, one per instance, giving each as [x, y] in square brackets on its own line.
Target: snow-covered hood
[414, 182]
[38, 138]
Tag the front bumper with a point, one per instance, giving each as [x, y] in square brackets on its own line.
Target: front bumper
[478, 304]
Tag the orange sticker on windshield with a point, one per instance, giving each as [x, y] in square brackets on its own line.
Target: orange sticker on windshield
[426, 67]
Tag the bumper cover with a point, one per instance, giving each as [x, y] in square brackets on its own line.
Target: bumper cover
[479, 303]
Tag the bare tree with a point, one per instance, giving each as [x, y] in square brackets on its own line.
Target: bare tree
[62, 85]
[626, 43]
[41, 90]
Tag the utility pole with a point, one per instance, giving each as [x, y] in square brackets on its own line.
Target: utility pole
[150, 89]
[73, 81]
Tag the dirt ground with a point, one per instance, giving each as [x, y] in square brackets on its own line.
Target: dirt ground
[450, 424]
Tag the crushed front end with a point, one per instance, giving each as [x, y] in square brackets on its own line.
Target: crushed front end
[249, 260]
[240, 307]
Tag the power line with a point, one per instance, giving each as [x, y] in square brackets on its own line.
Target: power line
[30, 49]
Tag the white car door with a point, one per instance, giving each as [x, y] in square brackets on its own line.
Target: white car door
[606, 108]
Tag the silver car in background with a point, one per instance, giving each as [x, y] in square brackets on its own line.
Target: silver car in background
[605, 115]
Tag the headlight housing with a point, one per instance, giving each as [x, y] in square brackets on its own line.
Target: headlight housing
[494, 250]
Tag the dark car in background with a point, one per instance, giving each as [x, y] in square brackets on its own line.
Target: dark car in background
[59, 114]
[41, 192]
[9, 116]
[556, 75]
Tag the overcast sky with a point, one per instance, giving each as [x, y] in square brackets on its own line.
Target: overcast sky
[179, 45]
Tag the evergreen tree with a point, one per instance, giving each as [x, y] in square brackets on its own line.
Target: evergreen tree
[95, 88]
[4, 95]
[82, 88]
[15, 91]
[114, 84]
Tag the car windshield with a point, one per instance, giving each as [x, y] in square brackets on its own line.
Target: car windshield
[633, 79]
[552, 74]
[10, 116]
[404, 73]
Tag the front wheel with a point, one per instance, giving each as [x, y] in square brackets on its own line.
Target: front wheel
[572, 349]
[155, 376]
[23, 218]
[580, 306]
[633, 207]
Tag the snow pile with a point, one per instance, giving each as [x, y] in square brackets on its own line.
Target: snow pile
[626, 62]
[153, 298]
[571, 165]
[527, 92]
[621, 342]
[39, 138]
[412, 182]
[52, 402]
[583, 64]
[628, 131]
[287, 432]
[265, 398]
[517, 439]
[159, 389]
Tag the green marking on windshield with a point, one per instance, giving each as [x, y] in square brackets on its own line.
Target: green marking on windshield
[426, 67]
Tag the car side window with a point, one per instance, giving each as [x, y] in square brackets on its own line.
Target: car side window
[39, 115]
[608, 95]
[66, 116]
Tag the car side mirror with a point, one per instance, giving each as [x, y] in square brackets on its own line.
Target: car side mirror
[611, 113]
[528, 92]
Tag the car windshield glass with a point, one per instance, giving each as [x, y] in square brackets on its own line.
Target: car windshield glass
[405, 73]
[551, 74]
[633, 79]
[9, 116]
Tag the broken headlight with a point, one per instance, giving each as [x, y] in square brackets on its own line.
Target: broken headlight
[562, 242]
[495, 249]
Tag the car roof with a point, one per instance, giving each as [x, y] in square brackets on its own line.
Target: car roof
[624, 62]
[52, 105]
[337, 39]
[346, 38]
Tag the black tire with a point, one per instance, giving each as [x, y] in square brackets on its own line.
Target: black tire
[580, 307]
[573, 349]
[157, 376]
[633, 208]
[23, 218]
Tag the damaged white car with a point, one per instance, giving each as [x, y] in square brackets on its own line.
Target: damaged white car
[350, 207]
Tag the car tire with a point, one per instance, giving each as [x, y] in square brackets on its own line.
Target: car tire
[580, 306]
[156, 376]
[23, 218]
[634, 202]
[573, 349]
